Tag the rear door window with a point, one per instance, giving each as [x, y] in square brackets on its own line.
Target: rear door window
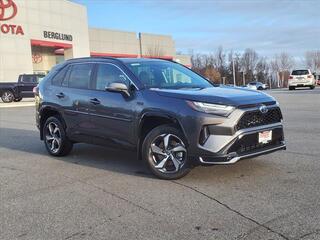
[80, 76]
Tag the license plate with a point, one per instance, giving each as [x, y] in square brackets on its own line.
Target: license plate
[265, 137]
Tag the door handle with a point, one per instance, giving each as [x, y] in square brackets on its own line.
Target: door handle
[94, 101]
[60, 95]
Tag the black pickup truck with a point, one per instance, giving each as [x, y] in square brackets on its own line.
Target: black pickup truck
[15, 91]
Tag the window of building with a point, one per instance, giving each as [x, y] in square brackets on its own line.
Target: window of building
[80, 76]
[107, 74]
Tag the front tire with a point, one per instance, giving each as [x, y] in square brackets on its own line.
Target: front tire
[164, 150]
[7, 96]
[55, 139]
[312, 87]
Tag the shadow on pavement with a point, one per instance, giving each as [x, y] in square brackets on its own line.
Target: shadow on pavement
[116, 160]
[121, 161]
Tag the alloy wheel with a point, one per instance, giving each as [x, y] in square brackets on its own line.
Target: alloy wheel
[168, 153]
[7, 97]
[53, 137]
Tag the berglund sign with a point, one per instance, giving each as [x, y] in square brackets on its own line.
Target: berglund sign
[8, 10]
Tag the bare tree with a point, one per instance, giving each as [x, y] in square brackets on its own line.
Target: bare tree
[213, 75]
[234, 57]
[274, 67]
[312, 60]
[283, 63]
[220, 61]
[249, 60]
[247, 66]
[262, 70]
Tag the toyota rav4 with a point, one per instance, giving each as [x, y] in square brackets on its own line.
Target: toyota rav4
[171, 116]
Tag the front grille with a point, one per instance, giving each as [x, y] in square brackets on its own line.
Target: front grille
[250, 143]
[256, 118]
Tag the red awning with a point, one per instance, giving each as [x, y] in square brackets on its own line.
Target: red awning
[50, 44]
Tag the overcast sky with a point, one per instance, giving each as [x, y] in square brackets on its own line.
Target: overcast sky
[269, 27]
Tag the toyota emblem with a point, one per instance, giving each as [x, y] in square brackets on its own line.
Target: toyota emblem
[8, 10]
[263, 109]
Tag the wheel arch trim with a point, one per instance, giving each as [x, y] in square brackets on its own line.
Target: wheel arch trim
[48, 108]
[156, 114]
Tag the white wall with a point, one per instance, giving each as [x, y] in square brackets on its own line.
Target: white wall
[36, 16]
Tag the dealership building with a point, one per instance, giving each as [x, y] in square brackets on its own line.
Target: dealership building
[37, 34]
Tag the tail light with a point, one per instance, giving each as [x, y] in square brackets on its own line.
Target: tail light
[35, 91]
[309, 76]
[290, 77]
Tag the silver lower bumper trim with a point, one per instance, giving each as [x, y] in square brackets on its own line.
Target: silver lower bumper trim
[237, 158]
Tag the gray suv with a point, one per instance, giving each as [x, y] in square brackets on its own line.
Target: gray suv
[171, 116]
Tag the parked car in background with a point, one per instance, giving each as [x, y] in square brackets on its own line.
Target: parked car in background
[15, 91]
[171, 116]
[301, 78]
[257, 85]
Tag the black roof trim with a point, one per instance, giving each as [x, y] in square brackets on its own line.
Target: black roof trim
[91, 58]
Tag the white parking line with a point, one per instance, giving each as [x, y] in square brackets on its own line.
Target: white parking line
[15, 105]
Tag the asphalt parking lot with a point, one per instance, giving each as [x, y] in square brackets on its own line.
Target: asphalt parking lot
[99, 193]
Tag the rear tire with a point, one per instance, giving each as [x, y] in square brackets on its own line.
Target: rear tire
[55, 138]
[292, 88]
[312, 87]
[7, 96]
[164, 150]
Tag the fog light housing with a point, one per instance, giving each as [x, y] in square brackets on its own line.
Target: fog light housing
[204, 135]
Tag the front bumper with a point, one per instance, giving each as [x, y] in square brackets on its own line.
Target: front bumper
[301, 83]
[245, 145]
[227, 141]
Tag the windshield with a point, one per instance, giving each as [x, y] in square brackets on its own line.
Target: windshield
[168, 75]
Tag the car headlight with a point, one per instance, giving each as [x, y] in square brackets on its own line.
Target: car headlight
[217, 109]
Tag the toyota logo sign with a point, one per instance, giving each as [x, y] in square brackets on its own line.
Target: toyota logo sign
[263, 109]
[8, 10]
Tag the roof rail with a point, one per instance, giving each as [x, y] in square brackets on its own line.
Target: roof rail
[90, 58]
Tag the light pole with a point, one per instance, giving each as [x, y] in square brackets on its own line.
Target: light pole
[234, 74]
[140, 44]
[243, 78]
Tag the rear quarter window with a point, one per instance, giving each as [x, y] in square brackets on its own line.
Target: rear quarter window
[59, 77]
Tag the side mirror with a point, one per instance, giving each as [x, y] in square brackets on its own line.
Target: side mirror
[118, 87]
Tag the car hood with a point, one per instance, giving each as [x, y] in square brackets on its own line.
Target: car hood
[220, 95]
